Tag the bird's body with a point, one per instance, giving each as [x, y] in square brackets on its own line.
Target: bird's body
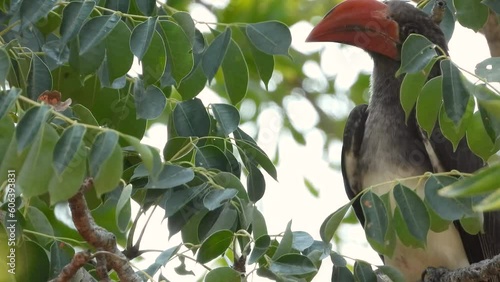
[380, 146]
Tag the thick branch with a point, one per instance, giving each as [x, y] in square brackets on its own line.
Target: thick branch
[79, 260]
[485, 270]
[98, 237]
[491, 31]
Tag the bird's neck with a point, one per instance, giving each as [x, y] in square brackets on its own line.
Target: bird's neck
[385, 85]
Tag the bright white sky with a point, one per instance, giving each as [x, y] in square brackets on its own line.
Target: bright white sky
[310, 161]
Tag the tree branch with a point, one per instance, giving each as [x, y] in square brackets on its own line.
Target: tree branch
[491, 31]
[485, 270]
[98, 237]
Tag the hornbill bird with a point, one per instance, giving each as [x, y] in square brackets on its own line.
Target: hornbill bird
[380, 146]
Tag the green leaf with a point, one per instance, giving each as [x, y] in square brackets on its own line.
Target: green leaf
[185, 21]
[211, 157]
[484, 181]
[147, 7]
[292, 264]
[35, 174]
[161, 260]
[142, 37]
[39, 78]
[106, 162]
[119, 57]
[214, 246]
[271, 37]
[490, 203]
[191, 119]
[413, 211]
[193, 84]
[258, 224]
[412, 86]
[264, 63]
[403, 232]
[478, 139]
[149, 102]
[70, 148]
[450, 130]
[226, 274]
[32, 11]
[179, 50]
[123, 207]
[4, 67]
[55, 54]
[38, 222]
[417, 52]
[7, 99]
[154, 60]
[218, 197]
[376, 220]
[118, 5]
[455, 94]
[235, 70]
[341, 273]
[393, 273]
[429, 103]
[474, 224]
[32, 263]
[447, 25]
[251, 152]
[96, 30]
[180, 198]
[363, 272]
[493, 5]
[224, 217]
[256, 184]
[171, 176]
[337, 259]
[215, 53]
[302, 240]
[29, 126]
[286, 242]
[332, 222]
[227, 116]
[447, 208]
[145, 151]
[60, 255]
[261, 246]
[88, 62]
[471, 14]
[488, 69]
[178, 147]
[73, 17]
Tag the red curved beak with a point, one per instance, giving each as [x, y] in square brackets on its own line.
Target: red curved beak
[361, 23]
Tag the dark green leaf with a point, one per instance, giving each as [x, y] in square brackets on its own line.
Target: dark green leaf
[4, 67]
[7, 99]
[185, 21]
[145, 151]
[256, 184]
[149, 102]
[161, 260]
[485, 180]
[29, 126]
[376, 223]
[96, 30]
[154, 60]
[270, 37]
[411, 87]
[292, 264]
[141, 37]
[258, 224]
[147, 7]
[106, 162]
[213, 57]
[226, 274]
[179, 50]
[171, 176]
[251, 152]
[218, 197]
[429, 103]
[455, 94]
[471, 14]
[178, 147]
[39, 78]
[332, 223]
[416, 53]
[224, 217]
[32, 263]
[393, 273]
[264, 63]
[191, 119]
[119, 57]
[413, 211]
[488, 69]
[60, 255]
[446, 208]
[90, 61]
[32, 11]
[214, 246]
[73, 17]
[261, 246]
[235, 70]
[118, 5]
[212, 157]
[341, 273]
[179, 198]
[227, 116]
[286, 242]
[363, 272]
[193, 84]
[55, 54]
[70, 148]
[493, 5]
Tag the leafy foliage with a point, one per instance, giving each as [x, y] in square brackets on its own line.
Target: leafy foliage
[73, 106]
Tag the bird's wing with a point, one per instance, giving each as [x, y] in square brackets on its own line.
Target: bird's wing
[353, 136]
[443, 158]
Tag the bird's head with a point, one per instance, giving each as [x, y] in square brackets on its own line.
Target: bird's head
[377, 27]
